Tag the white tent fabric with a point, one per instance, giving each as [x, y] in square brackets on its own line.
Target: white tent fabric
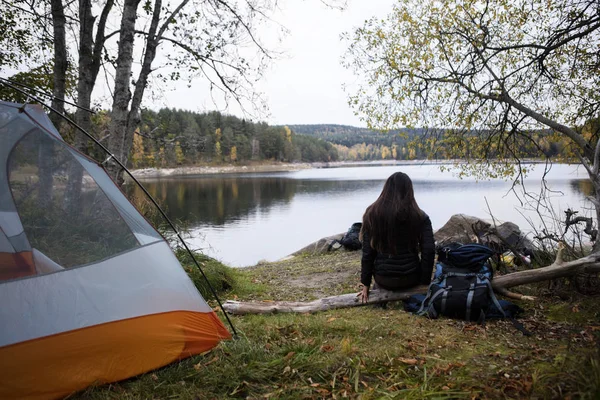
[150, 280]
[87, 285]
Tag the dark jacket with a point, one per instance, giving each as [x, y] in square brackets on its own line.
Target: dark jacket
[406, 263]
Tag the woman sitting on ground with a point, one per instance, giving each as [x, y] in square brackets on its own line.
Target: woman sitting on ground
[394, 231]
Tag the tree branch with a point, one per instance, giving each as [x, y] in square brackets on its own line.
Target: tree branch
[246, 27]
[165, 25]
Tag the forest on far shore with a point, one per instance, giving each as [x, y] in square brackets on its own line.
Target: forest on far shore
[172, 137]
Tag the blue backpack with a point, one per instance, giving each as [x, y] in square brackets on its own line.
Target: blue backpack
[461, 287]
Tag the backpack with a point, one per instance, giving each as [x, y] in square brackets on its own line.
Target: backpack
[508, 309]
[351, 240]
[461, 287]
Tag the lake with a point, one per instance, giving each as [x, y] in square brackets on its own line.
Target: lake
[244, 218]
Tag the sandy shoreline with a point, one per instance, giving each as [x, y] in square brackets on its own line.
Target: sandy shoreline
[154, 173]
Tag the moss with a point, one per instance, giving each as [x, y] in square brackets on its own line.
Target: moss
[222, 278]
[579, 310]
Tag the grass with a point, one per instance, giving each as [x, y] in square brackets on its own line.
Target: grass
[374, 353]
[223, 279]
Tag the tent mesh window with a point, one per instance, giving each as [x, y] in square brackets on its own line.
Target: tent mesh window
[64, 213]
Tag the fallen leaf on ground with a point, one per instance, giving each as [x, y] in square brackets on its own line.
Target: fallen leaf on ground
[408, 361]
[326, 348]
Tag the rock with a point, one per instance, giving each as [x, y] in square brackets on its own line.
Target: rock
[513, 237]
[460, 228]
[321, 246]
[463, 228]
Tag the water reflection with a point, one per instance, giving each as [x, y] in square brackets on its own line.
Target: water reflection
[582, 186]
[219, 201]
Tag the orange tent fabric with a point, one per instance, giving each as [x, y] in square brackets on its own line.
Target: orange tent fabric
[104, 353]
[90, 292]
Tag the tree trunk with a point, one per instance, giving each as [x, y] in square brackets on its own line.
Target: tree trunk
[596, 185]
[133, 117]
[59, 83]
[122, 93]
[85, 84]
[558, 269]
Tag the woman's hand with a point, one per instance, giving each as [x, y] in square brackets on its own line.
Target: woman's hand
[364, 294]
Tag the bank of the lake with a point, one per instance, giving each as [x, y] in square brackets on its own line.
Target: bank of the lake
[372, 353]
[265, 167]
[198, 170]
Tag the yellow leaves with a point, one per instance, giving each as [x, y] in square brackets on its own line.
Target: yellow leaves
[179, 156]
[288, 133]
[435, 40]
[346, 346]
[218, 150]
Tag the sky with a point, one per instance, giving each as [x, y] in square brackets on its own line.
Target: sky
[304, 85]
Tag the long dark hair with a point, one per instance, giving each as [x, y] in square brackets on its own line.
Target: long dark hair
[394, 211]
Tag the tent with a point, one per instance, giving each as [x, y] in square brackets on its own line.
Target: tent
[90, 292]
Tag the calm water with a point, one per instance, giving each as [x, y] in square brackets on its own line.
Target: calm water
[241, 219]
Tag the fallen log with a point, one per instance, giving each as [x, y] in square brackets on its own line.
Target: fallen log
[557, 269]
[327, 303]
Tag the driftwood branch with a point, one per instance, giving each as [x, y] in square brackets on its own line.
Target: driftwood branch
[327, 303]
[512, 295]
[570, 220]
[558, 269]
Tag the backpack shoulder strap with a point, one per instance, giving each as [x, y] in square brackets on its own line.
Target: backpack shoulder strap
[469, 302]
[493, 296]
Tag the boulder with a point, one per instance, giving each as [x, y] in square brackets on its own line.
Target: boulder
[321, 246]
[460, 228]
[463, 228]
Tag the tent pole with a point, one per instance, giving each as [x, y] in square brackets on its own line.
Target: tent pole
[44, 94]
[164, 215]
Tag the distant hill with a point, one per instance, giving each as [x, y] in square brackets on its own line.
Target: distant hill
[361, 144]
[349, 136]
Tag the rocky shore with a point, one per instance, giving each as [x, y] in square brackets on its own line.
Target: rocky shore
[459, 228]
[154, 173]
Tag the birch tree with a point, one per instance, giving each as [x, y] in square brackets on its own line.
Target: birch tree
[489, 73]
[210, 39]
